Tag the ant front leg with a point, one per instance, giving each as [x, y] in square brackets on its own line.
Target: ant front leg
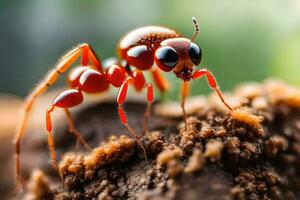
[120, 100]
[184, 93]
[212, 82]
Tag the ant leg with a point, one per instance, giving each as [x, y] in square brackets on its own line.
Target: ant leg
[68, 98]
[212, 82]
[63, 64]
[120, 100]
[161, 83]
[21, 126]
[139, 83]
[51, 141]
[184, 93]
[149, 106]
[75, 132]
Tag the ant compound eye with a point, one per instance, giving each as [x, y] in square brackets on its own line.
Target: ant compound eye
[195, 53]
[166, 58]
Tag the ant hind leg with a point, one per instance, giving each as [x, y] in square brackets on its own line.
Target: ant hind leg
[66, 99]
[84, 50]
[51, 141]
[75, 132]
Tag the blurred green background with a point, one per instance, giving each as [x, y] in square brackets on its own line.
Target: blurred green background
[241, 40]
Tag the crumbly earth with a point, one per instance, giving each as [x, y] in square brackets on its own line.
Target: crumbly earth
[252, 152]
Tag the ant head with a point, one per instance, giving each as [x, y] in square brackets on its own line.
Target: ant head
[179, 55]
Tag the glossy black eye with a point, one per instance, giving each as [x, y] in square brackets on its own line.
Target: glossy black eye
[166, 58]
[195, 53]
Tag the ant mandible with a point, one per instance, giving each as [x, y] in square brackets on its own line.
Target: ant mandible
[140, 48]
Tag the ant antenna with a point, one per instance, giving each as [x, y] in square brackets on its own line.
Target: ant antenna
[196, 29]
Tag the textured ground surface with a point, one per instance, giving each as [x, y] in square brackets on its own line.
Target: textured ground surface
[251, 153]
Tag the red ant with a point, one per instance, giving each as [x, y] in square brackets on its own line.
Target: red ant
[140, 48]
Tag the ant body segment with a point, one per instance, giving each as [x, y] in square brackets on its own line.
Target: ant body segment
[169, 51]
[151, 48]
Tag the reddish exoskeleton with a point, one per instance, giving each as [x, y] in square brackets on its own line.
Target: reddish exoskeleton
[151, 48]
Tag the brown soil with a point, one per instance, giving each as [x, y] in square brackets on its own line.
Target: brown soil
[250, 153]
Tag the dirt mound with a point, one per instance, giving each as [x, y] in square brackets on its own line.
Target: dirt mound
[250, 153]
